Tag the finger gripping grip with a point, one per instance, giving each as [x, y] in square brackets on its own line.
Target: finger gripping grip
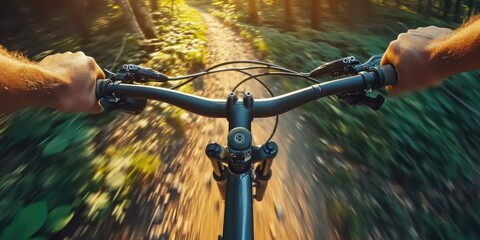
[390, 74]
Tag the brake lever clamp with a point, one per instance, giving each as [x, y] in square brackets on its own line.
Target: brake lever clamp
[370, 64]
[130, 73]
[342, 66]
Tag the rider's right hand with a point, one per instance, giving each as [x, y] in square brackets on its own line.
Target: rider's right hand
[413, 56]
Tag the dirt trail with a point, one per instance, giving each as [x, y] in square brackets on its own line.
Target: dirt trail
[182, 200]
[188, 204]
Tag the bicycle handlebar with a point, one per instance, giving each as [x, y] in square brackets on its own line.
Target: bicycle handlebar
[268, 107]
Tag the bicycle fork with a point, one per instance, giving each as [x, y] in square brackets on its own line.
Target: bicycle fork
[262, 159]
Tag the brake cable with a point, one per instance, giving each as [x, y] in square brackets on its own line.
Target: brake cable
[282, 72]
[264, 65]
[241, 70]
[140, 74]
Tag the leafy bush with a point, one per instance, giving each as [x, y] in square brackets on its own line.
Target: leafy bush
[181, 47]
[44, 160]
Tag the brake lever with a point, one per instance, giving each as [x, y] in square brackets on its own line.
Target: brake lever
[130, 73]
[141, 74]
[374, 61]
[342, 66]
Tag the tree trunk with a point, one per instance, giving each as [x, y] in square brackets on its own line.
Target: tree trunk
[25, 13]
[366, 6]
[252, 11]
[129, 17]
[96, 4]
[238, 4]
[446, 9]
[456, 14]
[334, 7]
[420, 8]
[315, 22]
[154, 5]
[77, 12]
[144, 19]
[427, 9]
[289, 18]
[471, 6]
[356, 11]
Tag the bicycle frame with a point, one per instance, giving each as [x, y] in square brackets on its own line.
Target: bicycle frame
[238, 220]
[233, 168]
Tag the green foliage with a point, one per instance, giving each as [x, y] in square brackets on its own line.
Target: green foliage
[47, 156]
[118, 171]
[58, 218]
[57, 174]
[182, 44]
[30, 219]
[27, 222]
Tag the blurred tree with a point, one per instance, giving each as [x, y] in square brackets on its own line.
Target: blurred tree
[446, 9]
[457, 11]
[420, 7]
[356, 11]
[238, 4]
[143, 17]
[252, 11]
[315, 16]
[365, 8]
[471, 6]
[96, 4]
[428, 9]
[289, 16]
[78, 14]
[154, 5]
[334, 8]
[129, 17]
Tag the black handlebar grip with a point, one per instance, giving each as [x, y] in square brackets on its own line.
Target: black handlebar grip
[101, 88]
[390, 74]
[128, 105]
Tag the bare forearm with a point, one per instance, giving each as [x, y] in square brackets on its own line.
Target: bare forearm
[65, 82]
[460, 51]
[425, 56]
[24, 84]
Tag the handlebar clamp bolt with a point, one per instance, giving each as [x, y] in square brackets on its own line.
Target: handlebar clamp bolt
[239, 138]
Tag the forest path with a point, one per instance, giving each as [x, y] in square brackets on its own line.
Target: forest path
[181, 201]
[293, 207]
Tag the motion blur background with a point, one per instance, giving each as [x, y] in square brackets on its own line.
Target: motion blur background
[408, 171]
